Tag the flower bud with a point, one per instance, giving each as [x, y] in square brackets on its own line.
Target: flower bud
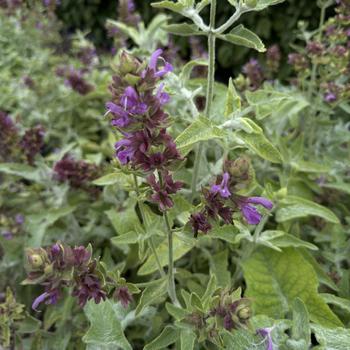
[244, 313]
[128, 64]
[35, 260]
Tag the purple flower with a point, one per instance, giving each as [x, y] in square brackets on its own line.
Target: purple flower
[136, 143]
[162, 190]
[124, 296]
[19, 219]
[250, 213]
[132, 103]
[81, 256]
[266, 334]
[7, 235]
[123, 119]
[153, 64]
[50, 297]
[254, 72]
[330, 97]
[32, 142]
[199, 222]
[162, 96]
[222, 188]
[89, 287]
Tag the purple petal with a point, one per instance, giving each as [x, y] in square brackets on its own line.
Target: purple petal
[122, 122]
[251, 214]
[122, 143]
[125, 156]
[165, 70]
[131, 93]
[39, 300]
[162, 96]
[266, 333]
[260, 200]
[115, 109]
[154, 59]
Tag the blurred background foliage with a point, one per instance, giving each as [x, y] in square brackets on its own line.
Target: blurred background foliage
[277, 25]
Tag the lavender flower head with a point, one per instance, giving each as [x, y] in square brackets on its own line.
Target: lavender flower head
[249, 211]
[222, 189]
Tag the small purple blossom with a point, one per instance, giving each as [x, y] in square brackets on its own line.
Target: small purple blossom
[330, 97]
[19, 219]
[250, 213]
[122, 119]
[254, 72]
[199, 222]
[124, 296]
[132, 103]
[163, 189]
[7, 235]
[89, 287]
[222, 189]
[153, 64]
[266, 334]
[50, 297]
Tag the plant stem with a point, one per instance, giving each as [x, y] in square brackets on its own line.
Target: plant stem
[171, 279]
[209, 94]
[311, 89]
[151, 242]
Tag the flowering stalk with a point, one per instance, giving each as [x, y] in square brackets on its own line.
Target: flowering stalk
[210, 92]
[312, 86]
[136, 111]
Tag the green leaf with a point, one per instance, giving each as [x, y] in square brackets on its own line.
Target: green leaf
[259, 144]
[233, 100]
[105, 330]
[301, 325]
[127, 238]
[183, 29]
[332, 339]
[175, 311]
[244, 37]
[281, 239]
[296, 207]
[37, 224]
[28, 325]
[168, 336]
[321, 274]
[309, 167]
[187, 339]
[242, 340]
[23, 170]
[129, 31]
[263, 4]
[219, 268]
[344, 304]
[278, 104]
[188, 67]
[180, 249]
[339, 186]
[124, 221]
[109, 179]
[228, 233]
[169, 5]
[152, 294]
[200, 130]
[275, 279]
[202, 4]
